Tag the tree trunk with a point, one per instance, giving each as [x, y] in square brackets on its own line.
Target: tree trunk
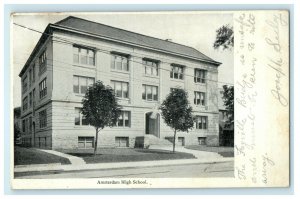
[96, 142]
[174, 139]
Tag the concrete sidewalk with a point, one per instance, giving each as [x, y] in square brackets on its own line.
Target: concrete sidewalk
[202, 155]
[73, 159]
[116, 165]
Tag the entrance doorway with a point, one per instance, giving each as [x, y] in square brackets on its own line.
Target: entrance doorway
[152, 124]
[181, 141]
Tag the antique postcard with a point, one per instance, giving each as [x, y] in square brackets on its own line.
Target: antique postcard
[191, 99]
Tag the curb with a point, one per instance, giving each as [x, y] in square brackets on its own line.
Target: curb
[117, 165]
[37, 165]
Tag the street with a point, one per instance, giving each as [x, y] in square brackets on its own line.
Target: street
[221, 169]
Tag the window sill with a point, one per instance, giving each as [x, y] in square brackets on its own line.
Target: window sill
[121, 127]
[85, 148]
[123, 99]
[43, 98]
[79, 95]
[200, 130]
[85, 66]
[152, 76]
[82, 126]
[150, 101]
[200, 83]
[200, 106]
[119, 71]
[177, 80]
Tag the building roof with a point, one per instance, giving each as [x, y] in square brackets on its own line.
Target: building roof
[131, 38]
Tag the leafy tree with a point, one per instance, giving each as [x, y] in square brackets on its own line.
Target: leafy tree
[224, 37]
[17, 132]
[177, 112]
[228, 97]
[17, 129]
[100, 108]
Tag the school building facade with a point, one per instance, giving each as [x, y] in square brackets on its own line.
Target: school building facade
[74, 53]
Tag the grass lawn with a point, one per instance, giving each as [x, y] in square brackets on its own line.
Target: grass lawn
[223, 151]
[126, 155]
[25, 156]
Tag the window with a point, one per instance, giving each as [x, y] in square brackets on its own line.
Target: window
[200, 76]
[43, 62]
[83, 56]
[201, 122]
[30, 99]
[24, 84]
[124, 119]
[33, 97]
[25, 103]
[223, 115]
[120, 88]
[150, 93]
[119, 62]
[26, 125]
[122, 141]
[43, 118]
[199, 98]
[151, 67]
[30, 77]
[80, 84]
[43, 88]
[80, 120]
[176, 71]
[23, 125]
[33, 73]
[202, 140]
[85, 142]
[30, 124]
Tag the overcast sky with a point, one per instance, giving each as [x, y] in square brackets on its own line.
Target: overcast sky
[191, 29]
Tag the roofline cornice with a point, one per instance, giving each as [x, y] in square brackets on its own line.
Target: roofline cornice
[44, 37]
[48, 29]
[74, 30]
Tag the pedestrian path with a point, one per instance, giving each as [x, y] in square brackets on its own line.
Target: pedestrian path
[202, 155]
[118, 165]
[73, 159]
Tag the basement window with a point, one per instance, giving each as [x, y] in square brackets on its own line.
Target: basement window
[122, 141]
[85, 142]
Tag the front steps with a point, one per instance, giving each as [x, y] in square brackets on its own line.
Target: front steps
[150, 140]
